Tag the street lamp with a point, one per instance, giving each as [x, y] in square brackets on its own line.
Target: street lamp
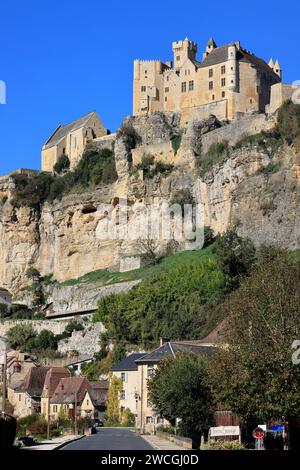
[3, 353]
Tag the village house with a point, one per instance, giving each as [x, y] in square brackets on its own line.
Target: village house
[228, 82]
[71, 139]
[127, 371]
[147, 418]
[53, 377]
[18, 365]
[94, 402]
[26, 397]
[67, 397]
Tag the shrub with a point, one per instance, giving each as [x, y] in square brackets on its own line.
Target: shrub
[128, 418]
[167, 429]
[272, 167]
[176, 142]
[62, 164]
[182, 197]
[269, 142]
[289, 122]
[160, 168]
[33, 274]
[209, 236]
[217, 153]
[146, 162]
[128, 132]
[223, 445]
[95, 167]
[73, 325]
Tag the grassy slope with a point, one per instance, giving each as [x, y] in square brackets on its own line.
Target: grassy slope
[167, 264]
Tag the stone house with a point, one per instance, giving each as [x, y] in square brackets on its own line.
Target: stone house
[94, 402]
[68, 396]
[52, 379]
[228, 82]
[26, 396]
[147, 418]
[127, 371]
[71, 140]
[18, 365]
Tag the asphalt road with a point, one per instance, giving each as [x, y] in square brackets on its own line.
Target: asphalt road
[110, 439]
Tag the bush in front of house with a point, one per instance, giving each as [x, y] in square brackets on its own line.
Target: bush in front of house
[128, 418]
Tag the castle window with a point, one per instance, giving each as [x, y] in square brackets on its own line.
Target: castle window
[166, 99]
[211, 85]
[223, 81]
[143, 88]
[183, 87]
[54, 408]
[167, 89]
[223, 94]
[223, 69]
[191, 85]
[210, 73]
[213, 97]
[168, 78]
[178, 58]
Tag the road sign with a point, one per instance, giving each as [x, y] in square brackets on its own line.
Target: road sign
[258, 433]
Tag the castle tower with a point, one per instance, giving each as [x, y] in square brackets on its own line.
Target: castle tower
[183, 50]
[277, 69]
[271, 63]
[232, 71]
[210, 46]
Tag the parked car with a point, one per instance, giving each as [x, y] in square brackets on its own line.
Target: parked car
[98, 423]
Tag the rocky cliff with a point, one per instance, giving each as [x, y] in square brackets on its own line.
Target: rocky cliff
[253, 186]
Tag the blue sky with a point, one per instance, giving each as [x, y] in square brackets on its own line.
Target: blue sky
[62, 59]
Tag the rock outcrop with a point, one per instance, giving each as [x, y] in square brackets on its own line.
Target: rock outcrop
[64, 238]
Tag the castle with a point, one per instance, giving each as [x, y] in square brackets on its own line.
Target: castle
[229, 81]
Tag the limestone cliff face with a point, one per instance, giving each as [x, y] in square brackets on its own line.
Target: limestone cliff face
[63, 238]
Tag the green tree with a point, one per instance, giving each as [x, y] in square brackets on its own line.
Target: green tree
[236, 255]
[18, 335]
[175, 305]
[254, 376]
[179, 389]
[119, 352]
[46, 340]
[62, 164]
[113, 400]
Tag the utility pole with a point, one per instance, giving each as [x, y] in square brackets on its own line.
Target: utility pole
[4, 371]
[75, 413]
[49, 414]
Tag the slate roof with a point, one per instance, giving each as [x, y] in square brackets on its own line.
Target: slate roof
[53, 376]
[220, 55]
[62, 131]
[33, 382]
[171, 348]
[68, 387]
[98, 392]
[129, 363]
